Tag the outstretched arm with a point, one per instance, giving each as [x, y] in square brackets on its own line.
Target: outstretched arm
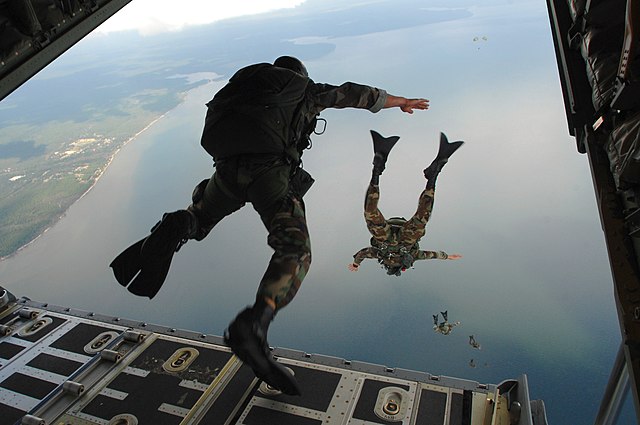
[406, 105]
[360, 256]
[440, 255]
[353, 267]
[354, 95]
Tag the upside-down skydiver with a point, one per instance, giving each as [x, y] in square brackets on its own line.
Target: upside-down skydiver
[394, 241]
[475, 344]
[444, 327]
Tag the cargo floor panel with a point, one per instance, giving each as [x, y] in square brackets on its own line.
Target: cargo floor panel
[138, 373]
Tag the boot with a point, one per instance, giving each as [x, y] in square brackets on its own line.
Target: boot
[444, 152]
[247, 338]
[381, 148]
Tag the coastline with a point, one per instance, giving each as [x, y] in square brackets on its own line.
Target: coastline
[110, 159]
[206, 80]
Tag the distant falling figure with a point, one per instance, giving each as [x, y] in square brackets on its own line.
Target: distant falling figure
[472, 363]
[480, 40]
[394, 242]
[474, 343]
[443, 327]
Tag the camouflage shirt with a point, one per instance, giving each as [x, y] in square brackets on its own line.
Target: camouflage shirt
[393, 254]
[321, 96]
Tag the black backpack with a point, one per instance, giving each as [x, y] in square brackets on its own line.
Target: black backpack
[261, 110]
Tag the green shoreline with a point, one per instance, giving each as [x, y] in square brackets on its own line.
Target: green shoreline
[42, 197]
[36, 192]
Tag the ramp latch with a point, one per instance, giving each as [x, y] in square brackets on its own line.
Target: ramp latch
[392, 404]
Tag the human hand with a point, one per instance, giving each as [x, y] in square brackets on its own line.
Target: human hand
[454, 257]
[353, 267]
[411, 104]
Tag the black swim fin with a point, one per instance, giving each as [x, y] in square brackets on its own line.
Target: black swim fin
[143, 278]
[143, 267]
[381, 148]
[445, 151]
[383, 145]
[150, 279]
[447, 148]
[127, 264]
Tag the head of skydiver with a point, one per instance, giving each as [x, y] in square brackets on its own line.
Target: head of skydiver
[293, 64]
[393, 270]
[397, 266]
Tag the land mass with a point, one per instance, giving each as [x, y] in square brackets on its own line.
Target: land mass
[46, 167]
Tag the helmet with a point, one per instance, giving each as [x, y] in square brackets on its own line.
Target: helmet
[394, 270]
[407, 261]
[294, 64]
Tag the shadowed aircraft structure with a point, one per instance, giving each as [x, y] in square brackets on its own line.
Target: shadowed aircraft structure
[597, 46]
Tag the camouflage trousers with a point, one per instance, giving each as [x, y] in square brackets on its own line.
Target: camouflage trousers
[264, 182]
[412, 230]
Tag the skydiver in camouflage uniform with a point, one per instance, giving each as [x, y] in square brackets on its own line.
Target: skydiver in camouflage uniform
[256, 129]
[475, 344]
[394, 242]
[445, 327]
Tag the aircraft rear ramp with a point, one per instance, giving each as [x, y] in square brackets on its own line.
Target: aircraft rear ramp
[64, 366]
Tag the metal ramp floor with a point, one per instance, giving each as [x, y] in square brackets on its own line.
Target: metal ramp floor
[64, 366]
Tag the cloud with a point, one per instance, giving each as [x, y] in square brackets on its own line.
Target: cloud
[150, 17]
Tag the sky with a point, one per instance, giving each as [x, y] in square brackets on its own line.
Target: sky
[149, 17]
[516, 200]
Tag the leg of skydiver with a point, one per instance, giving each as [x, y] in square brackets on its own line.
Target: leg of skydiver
[216, 198]
[283, 215]
[445, 150]
[212, 201]
[376, 223]
[144, 266]
[381, 148]
[415, 228]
